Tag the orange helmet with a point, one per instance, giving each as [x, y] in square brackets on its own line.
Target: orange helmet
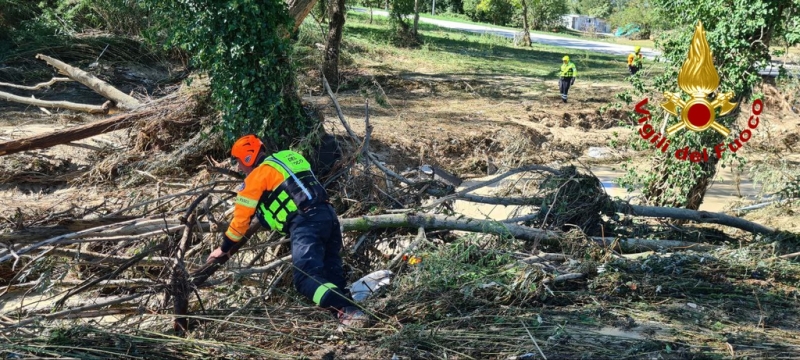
[246, 149]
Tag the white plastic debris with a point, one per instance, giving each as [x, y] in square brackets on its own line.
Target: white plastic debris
[362, 288]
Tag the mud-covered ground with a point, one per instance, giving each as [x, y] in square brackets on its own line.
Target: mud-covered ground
[471, 297]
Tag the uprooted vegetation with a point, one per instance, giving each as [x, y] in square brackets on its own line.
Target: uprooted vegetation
[569, 280]
[105, 249]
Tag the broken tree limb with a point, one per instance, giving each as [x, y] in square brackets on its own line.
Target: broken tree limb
[501, 200]
[436, 222]
[32, 234]
[88, 235]
[635, 244]
[65, 313]
[92, 109]
[106, 283]
[693, 215]
[37, 86]
[493, 180]
[123, 101]
[64, 136]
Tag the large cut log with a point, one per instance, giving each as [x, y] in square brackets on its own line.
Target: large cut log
[92, 109]
[43, 141]
[123, 101]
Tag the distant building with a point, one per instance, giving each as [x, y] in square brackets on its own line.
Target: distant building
[585, 23]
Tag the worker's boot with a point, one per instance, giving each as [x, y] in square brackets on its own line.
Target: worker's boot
[352, 317]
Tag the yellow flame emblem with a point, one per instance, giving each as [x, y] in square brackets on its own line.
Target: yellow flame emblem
[698, 78]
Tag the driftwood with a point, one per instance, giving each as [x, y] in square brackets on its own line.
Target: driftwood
[123, 101]
[92, 109]
[43, 141]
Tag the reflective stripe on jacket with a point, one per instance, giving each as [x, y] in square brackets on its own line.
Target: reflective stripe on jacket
[275, 190]
[568, 70]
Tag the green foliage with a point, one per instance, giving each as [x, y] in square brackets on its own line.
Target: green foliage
[546, 14]
[13, 13]
[498, 12]
[245, 48]
[119, 17]
[646, 14]
[734, 34]
[598, 8]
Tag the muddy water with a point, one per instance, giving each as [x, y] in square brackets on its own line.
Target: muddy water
[720, 196]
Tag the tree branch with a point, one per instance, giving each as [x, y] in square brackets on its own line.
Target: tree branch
[92, 109]
[37, 86]
[123, 101]
[694, 215]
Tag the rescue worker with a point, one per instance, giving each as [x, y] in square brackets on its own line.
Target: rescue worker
[281, 191]
[635, 60]
[568, 74]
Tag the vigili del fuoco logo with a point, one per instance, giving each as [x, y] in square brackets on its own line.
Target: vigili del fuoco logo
[698, 78]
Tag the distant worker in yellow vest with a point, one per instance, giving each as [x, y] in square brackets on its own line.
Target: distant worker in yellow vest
[635, 60]
[568, 74]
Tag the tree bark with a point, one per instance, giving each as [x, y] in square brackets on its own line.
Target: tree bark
[693, 215]
[436, 222]
[416, 18]
[526, 33]
[91, 109]
[123, 101]
[43, 141]
[331, 65]
[299, 9]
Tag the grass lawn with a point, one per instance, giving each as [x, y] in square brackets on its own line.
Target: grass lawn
[567, 33]
[448, 52]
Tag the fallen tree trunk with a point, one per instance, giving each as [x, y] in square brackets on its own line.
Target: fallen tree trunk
[123, 101]
[92, 109]
[437, 222]
[694, 215]
[43, 141]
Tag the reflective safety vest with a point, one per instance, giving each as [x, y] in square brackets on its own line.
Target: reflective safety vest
[274, 191]
[299, 190]
[568, 70]
[635, 59]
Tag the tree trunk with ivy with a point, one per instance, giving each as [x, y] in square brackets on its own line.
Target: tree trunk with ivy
[331, 65]
[253, 82]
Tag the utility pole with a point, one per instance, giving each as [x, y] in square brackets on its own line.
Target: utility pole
[433, 8]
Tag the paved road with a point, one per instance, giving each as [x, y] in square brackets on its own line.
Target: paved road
[565, 42]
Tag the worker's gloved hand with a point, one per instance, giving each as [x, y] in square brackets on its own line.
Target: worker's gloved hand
[217, 253]
[572, 82]
[223, 250]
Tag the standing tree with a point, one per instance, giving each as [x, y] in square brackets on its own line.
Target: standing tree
[416, 18]
[526, 29]
[330, 67]
[739, 38]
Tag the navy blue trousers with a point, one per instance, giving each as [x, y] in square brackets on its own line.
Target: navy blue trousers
[316, 242]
